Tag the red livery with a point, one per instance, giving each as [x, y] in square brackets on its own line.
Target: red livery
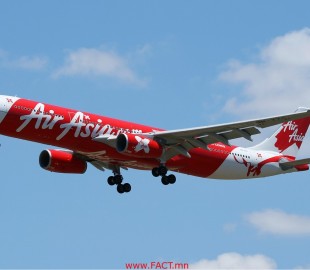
[112, 144]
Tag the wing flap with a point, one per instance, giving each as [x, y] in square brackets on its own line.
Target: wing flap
[105, 165]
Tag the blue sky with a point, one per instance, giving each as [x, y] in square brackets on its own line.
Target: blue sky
[170, 64]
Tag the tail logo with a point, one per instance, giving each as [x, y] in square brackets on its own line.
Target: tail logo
[295, 137]
[289, 135]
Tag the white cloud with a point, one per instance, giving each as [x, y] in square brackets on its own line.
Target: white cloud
[278, 82]
[89, 61]
[30, 62]
[236, 261]
[23, 62]
[279, 223]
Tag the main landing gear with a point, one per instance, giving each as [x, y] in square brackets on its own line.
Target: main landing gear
[162, 171]
[121, 187]
[117, 180]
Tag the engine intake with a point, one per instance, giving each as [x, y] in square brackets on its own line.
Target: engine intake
[61, 162]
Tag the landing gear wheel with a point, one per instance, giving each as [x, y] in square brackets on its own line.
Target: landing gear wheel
[111, 180]
[127, 187]
[118, 179]
[171, 178]
[155, 172]
[164, 180]
[120, 188]
[162, 170]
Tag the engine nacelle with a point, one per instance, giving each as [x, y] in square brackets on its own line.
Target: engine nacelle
[61, 162]
[138, 146]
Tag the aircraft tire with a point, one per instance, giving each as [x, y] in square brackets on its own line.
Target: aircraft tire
[155, 172]
[171, 178]
[111, 180]
[164, 180]
[127, 187]
[120, 188]
[118, 179]
[162, 170]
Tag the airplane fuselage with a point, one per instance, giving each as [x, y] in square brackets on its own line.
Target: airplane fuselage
[75, 130]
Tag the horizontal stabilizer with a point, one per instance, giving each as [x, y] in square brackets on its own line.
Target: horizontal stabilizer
[291, 164]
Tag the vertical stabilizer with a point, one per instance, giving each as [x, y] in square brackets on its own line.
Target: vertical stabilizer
[288, 138]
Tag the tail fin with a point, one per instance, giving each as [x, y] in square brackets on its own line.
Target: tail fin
[288, 138]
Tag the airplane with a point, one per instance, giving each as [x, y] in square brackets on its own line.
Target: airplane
[112, 144]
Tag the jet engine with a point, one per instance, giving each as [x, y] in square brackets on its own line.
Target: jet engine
[61, 162]
[138, 146]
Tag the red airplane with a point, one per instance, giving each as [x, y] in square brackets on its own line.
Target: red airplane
[113, 144]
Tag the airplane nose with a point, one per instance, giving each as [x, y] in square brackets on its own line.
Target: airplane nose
[6, 103]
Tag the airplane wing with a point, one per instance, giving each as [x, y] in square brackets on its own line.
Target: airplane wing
[180, 141]
[291, 164]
